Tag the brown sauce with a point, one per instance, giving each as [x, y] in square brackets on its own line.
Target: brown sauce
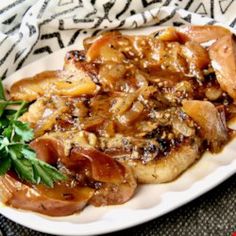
[141, 83]
[133, 98]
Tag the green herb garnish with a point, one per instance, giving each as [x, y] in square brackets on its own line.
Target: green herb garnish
[15, 153]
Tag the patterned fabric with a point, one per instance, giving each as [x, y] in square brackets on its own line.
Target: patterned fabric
[31, 29]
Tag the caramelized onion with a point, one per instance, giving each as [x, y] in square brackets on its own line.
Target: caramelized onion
[95, 49]
[182, 128]
[196, 55]
[223, 56]
[122, 104]
[110, 73]
[168, 34]
[208, 118]
[201, 34]
[213, 93]
[184, 86]
[134, 113]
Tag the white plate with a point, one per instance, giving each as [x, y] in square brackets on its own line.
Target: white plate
[150, 201]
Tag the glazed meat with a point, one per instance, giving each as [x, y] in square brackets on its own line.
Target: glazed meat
[62, 200]
[113, 183]
[127, 109]
[92, 177]
[223, 56]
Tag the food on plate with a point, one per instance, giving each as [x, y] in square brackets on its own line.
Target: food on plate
[223, 52]
[125, 110]
[202, 34]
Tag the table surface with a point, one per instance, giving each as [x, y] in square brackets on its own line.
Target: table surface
[214, 214]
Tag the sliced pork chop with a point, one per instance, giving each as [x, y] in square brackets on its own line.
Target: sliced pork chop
[73, 81]
[114, 183]
[57, 201]
[166, 168]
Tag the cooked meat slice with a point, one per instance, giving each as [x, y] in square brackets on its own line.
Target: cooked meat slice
[156, 159]
[102, 48]
[166, 168]
[113, 182]
[116, 181]
[75, 62]
[196, 55]
[223, 59]
[58, 201]
[202, 34]
[206, 115]
[71, 83]
[29, 89]
[113, 194]
[197, 58]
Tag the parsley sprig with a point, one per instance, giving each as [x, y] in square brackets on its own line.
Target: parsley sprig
[15, 153]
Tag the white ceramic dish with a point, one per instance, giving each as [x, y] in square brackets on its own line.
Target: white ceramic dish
[150, 201]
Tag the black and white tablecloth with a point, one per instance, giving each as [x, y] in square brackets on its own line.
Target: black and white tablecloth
[31, 29]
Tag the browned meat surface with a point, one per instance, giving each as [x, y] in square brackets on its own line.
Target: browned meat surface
[165, 169]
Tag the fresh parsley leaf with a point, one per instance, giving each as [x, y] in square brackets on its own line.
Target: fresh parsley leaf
[29, 168]
[23, 130]
[50, 174]
[43, 175]
[2, 93]
[44, 172]
[9, 112]
[4, 142]
[2, 107]
[15, 153]
[7, 132]
[22, 166]
[4, 104]
[4, 123]
[24, 170]
[28, 152]
[3, 153]
[5, 165]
